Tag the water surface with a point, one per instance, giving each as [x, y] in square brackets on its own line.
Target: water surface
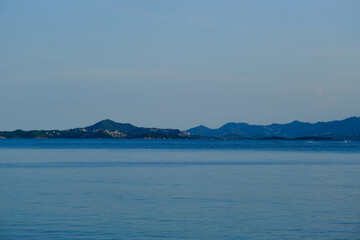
[179, 189]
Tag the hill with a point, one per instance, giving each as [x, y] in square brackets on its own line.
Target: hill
[344, 129]
[103, 129]
[347, 128]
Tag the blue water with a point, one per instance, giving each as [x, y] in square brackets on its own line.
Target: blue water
[179, 189]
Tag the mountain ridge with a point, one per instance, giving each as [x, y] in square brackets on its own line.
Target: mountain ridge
[103, 129]
[349, 127]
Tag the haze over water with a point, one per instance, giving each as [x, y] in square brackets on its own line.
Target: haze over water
[179, 189]
[178, 64]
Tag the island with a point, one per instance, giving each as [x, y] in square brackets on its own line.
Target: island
[347, 129]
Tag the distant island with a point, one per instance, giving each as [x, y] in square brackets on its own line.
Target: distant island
[348, 129]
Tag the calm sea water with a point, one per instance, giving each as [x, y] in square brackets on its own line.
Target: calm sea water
[179, 189]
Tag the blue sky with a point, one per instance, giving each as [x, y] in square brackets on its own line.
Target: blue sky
[177, 64]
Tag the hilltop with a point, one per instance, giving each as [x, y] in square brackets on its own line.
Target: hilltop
[344, 129]
[103, 129]
[347, 128]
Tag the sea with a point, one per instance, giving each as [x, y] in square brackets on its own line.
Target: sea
[179, 189]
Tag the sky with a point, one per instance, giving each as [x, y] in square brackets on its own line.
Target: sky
[177, 64]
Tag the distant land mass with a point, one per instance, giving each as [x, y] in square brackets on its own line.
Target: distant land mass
[344, 129]
[348, 129]
[103, 129]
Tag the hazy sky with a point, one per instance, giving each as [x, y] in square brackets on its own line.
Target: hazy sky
[177, 64]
